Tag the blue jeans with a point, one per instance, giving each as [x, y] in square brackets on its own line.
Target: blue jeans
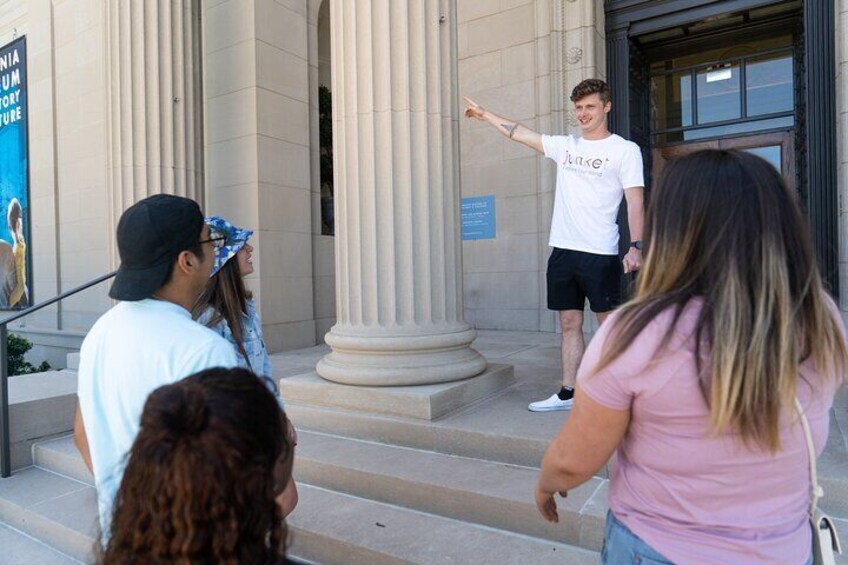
[623, 547]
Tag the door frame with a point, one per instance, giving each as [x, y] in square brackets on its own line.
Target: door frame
[784, 138]
[628, 19]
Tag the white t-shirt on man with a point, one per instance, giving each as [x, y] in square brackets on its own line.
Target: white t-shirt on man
[591, 178]
[133, 349]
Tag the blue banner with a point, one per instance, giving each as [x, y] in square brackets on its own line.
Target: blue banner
[15, 292]
[478, 217]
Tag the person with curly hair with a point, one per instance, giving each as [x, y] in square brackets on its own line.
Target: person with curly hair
[201, 481]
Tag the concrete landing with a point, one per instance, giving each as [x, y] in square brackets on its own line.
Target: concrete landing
[425, 402]
[497, 428]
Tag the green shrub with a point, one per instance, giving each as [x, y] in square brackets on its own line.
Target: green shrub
[16, 349]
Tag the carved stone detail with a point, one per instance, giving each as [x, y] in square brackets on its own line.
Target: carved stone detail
[574, 55]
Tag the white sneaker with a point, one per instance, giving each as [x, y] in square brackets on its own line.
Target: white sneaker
[551, 404]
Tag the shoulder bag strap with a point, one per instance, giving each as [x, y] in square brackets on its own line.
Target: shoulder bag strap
[817, 491]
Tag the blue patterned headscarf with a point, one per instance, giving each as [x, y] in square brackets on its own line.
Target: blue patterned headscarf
[236, 238]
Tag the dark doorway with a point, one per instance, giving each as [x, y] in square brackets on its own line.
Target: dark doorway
[754, 75]
[739, 95]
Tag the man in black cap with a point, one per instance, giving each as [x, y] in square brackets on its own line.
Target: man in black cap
[147, 340]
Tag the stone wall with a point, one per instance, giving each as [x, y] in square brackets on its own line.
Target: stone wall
[262, 61]
[498, 67]
[67, 151]
[255, 60]
[323, 246]
[520, 59]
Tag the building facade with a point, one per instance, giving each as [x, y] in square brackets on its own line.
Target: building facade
[222, 101]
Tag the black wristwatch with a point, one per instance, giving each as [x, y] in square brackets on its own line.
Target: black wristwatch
[636, 244]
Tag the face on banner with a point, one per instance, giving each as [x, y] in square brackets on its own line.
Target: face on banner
[15, 291]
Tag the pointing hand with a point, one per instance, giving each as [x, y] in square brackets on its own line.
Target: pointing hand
[472, 109]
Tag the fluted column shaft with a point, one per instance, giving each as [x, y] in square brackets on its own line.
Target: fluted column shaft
[398, 254]
[154, 104]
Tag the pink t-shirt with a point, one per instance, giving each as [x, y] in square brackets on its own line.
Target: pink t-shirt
[693, 497]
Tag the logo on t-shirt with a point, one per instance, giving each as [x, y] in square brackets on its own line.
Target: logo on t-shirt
[585, 164]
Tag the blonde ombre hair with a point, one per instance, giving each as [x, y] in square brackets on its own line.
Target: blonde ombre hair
[722, 226]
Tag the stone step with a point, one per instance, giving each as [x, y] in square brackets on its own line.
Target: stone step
[60, 456]
[72, 361]
[319, 540]
[455, 436]
[58, 511]
[439, 436]
[427, 481]
[21, 549]
[333, 528]
[423, 402]
[471, 490]
[41, 406]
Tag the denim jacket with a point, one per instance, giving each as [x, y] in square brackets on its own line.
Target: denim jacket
[257, 359]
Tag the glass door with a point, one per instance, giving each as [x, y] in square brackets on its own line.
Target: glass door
[778, 148]
[739, 95]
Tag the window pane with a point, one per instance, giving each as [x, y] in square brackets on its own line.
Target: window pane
[770, 153]
[741, 128]
[768, 87]
[718, 94]
[671, 101]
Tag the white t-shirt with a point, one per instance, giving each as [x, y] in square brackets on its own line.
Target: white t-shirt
[133, 349]
[591, 178]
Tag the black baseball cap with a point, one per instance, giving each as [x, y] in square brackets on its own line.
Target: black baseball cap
[151, 234]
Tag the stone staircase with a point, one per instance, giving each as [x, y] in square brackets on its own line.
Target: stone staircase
[360, 502]
[387, 489]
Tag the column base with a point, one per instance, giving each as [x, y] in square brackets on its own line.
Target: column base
[366, 359]
[424, 402]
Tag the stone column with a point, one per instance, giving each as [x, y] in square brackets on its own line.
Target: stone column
[155, 135]
[398, 254]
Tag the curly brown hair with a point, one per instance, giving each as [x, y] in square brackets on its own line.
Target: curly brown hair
[591, 86]
[199, 486]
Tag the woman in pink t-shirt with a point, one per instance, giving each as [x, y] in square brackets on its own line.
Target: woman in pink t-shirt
[692, 383]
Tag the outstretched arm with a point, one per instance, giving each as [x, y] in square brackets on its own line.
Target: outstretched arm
[507, 128]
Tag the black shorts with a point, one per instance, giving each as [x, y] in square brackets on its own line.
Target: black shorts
[574, 276]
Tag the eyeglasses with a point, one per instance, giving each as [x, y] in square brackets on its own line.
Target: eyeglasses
[217, 242]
